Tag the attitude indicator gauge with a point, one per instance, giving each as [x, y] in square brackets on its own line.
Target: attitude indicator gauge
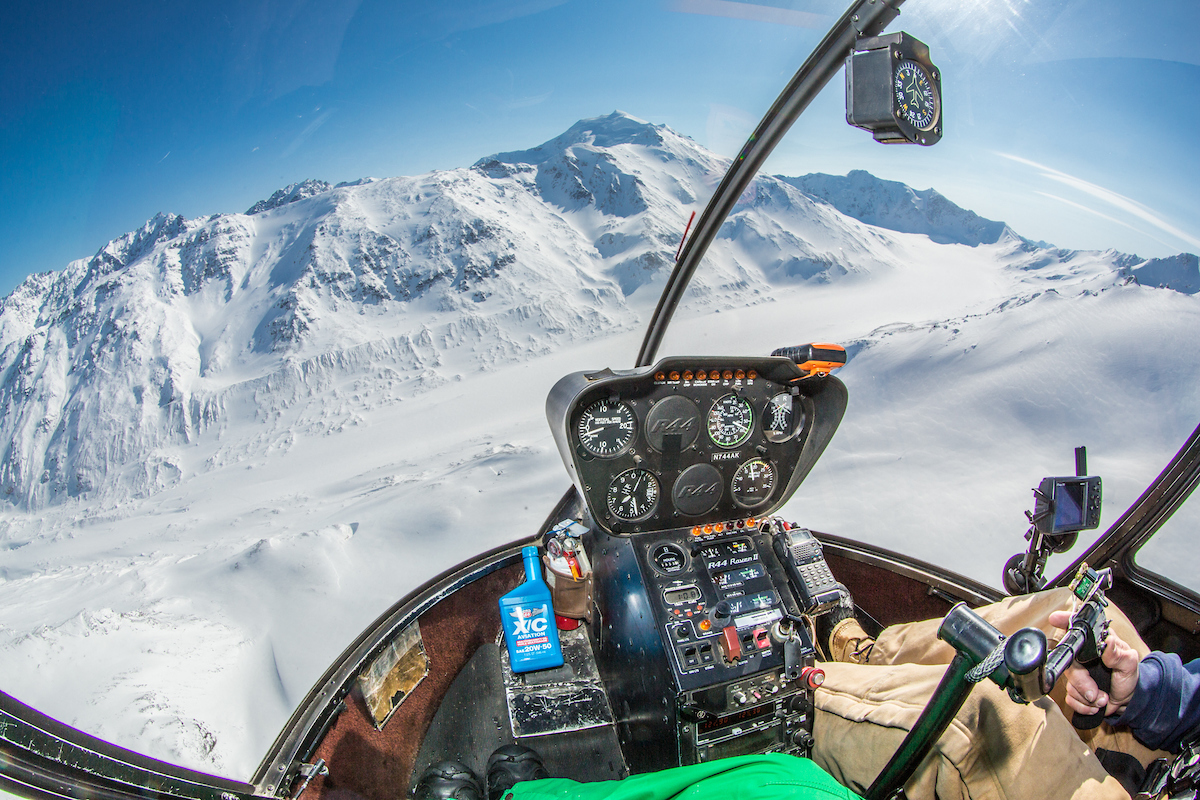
[730, 421]
[633, 495]
[752, 483]
[606, 428]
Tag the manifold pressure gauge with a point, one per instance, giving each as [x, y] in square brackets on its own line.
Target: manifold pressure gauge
[894, 91]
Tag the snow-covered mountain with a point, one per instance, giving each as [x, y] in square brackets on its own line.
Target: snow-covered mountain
[231, 442]
[892, 205]
[111, 364]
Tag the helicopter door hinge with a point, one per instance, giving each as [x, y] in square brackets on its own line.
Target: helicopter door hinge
[308, 772]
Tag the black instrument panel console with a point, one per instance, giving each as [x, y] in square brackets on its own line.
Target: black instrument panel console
[704, 442]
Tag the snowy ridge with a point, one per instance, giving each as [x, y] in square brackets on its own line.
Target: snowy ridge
[1180, 272]
[892, 205]
[113, 362]
[289, 194]
[231, 442]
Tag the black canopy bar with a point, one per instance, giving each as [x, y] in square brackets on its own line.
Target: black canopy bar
[863, 18]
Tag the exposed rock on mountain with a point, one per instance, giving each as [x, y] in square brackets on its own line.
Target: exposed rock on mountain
[168, 332]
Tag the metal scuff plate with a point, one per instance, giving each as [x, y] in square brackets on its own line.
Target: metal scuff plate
[568, 698]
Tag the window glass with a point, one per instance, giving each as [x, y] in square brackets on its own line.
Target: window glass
[288, 284]
[1174, 551]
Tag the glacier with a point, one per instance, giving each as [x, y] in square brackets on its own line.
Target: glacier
[230, 442]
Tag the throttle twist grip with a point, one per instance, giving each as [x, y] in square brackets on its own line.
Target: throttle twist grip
[1102, 675]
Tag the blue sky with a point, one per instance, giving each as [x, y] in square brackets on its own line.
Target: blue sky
[1071, 121]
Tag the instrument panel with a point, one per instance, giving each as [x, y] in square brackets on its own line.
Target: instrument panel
[702, 442]
[714, 603]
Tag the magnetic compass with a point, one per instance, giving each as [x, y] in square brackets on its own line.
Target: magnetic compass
[894, 91]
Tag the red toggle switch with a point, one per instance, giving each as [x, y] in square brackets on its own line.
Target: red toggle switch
[812, 677]
[731, 645]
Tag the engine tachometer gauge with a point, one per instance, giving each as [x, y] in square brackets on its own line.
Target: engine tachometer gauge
[915, 98]
[633, 495]
[752, 483]
[606, 428]
[730, 421]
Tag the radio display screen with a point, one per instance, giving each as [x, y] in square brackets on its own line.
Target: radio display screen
[736, 718]
[754, 602]
[737, 577]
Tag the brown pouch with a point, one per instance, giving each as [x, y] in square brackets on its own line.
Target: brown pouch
[571, 597]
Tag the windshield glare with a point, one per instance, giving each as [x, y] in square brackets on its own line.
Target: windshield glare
[290, 282]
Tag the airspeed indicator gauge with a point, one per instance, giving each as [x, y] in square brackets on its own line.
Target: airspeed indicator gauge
[730, 421]
[606, 428]
[633, 495]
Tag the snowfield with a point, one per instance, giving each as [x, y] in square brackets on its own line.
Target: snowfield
[230, 443]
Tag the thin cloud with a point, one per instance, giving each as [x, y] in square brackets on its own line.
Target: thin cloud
[1129, 206]
[526, 102]
[751, 11]
[302, 137]
[1101, 215]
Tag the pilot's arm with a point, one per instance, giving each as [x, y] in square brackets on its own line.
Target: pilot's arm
[1158, 697]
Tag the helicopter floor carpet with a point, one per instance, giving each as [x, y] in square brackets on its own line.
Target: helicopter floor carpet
[377, 765]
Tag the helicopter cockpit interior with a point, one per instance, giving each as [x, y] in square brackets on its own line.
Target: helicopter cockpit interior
[691, 619]
[688, 652]
[690, 609]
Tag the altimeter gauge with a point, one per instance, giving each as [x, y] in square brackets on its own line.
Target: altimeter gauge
[730, 421]
[606, 428]
[752, 483]
[633, 495]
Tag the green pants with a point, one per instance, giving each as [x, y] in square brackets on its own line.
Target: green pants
[772, 776]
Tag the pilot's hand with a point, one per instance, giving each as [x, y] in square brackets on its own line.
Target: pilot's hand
[1083, 694]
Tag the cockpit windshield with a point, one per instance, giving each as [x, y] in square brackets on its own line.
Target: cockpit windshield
[288, 284]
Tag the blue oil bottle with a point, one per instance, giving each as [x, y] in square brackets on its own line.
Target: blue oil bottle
[528, 619]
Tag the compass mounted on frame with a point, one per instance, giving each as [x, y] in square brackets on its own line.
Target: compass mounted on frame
[894, 91]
